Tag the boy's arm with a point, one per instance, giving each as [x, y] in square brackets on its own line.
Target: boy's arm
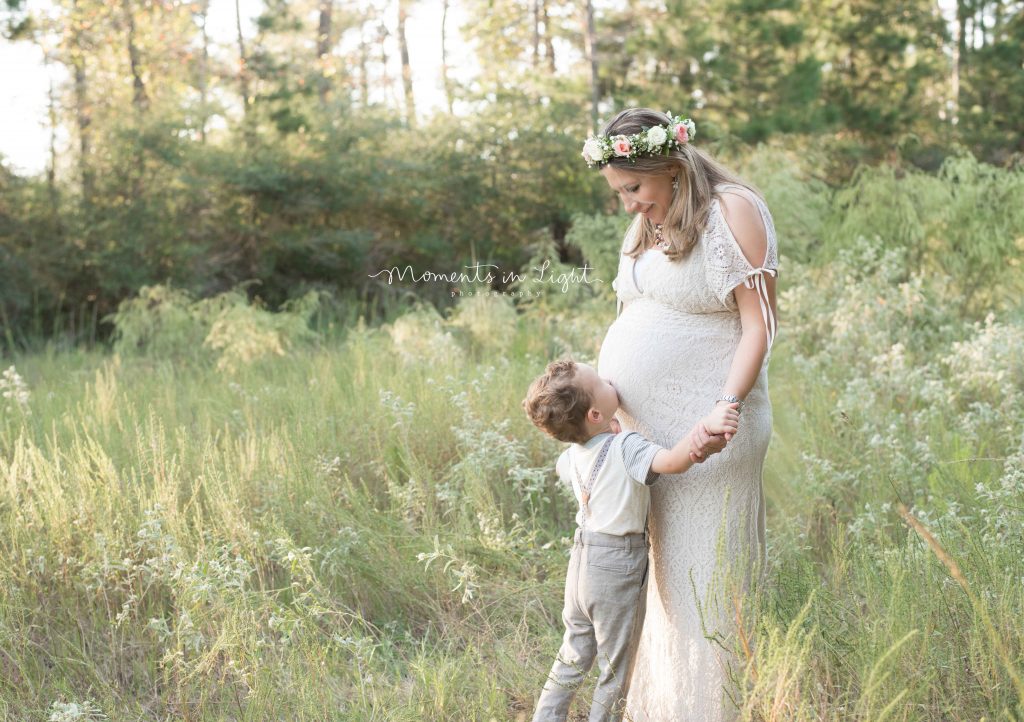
[676, 460]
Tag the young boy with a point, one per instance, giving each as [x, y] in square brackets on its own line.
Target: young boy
[605, 587]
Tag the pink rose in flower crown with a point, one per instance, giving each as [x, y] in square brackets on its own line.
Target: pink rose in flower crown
[621, 146]
[682, 133]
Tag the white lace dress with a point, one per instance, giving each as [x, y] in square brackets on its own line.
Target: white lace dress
[668, 354]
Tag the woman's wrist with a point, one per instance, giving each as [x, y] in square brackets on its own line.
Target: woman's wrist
[730, 399]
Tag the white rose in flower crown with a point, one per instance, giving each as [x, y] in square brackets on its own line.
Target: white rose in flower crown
[592, 150]
[656, 137]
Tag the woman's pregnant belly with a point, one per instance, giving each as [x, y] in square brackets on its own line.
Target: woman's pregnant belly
[668, 367]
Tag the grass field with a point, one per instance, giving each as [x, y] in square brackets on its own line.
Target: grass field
[231, 516]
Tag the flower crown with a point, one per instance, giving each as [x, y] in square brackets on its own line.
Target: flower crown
[656, 140]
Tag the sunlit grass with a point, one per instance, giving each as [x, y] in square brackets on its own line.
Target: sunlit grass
[360, 530]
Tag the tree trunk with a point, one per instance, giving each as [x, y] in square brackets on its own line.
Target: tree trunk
[83, 110]
[139, 98]
[536, 33]
[51, 166]
[589, 45]
[954, 80]
[961, 24]
[549, 45]
[410, 101]
[364, 61]
[83, 113]
[445, 83]
[386, 82]
[204, 70]
[323, 49]
[243, 62]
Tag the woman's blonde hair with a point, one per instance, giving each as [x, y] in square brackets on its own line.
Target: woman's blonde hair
[698, 173]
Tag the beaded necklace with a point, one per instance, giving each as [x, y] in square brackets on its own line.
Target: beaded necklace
[659, 239]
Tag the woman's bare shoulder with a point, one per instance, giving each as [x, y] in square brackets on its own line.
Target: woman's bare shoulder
[744, 220]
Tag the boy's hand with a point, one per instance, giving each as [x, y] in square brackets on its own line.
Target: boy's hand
[723, 419]
[704, 443]
[709, 436]
[714, 431]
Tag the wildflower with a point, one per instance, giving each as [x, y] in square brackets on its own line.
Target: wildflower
[14, 390]
[73, 711]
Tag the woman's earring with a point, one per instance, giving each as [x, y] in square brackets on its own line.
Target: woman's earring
[675, 184]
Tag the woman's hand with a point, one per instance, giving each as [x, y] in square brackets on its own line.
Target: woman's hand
[705, 443]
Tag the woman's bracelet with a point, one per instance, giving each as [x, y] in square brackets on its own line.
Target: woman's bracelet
[732, 400]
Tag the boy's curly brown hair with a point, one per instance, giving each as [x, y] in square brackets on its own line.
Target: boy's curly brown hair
[557, 403]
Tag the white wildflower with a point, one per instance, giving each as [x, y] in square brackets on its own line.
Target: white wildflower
[72, 711]
[14, 390]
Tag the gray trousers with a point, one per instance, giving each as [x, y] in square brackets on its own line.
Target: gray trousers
[605, 595]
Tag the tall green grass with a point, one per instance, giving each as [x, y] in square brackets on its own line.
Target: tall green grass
[362, 525]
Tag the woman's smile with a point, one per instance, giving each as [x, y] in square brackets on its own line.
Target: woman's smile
[651, 213]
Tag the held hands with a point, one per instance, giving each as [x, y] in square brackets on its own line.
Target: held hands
[723, 419]
[708, 437]
[714, 431]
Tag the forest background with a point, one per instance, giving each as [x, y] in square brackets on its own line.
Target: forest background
[174, 162]
[241, 472]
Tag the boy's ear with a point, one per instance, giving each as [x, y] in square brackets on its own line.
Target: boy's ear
[594, 415]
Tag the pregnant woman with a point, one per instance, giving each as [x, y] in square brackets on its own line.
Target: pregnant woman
[696, 290]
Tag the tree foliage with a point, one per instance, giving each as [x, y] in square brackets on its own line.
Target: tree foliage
[286, 156]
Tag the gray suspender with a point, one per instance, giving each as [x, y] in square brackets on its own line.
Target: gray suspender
[585, 490]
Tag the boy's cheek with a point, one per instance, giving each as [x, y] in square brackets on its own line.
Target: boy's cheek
[616, 427]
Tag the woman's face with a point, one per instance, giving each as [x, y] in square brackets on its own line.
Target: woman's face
[649, 195]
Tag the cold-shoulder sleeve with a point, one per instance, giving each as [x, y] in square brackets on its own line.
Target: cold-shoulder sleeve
[727, 267]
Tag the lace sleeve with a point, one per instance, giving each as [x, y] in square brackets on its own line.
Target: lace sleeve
[727, 267]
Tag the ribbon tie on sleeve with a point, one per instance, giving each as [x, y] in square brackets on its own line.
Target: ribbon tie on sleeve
[755, 280]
